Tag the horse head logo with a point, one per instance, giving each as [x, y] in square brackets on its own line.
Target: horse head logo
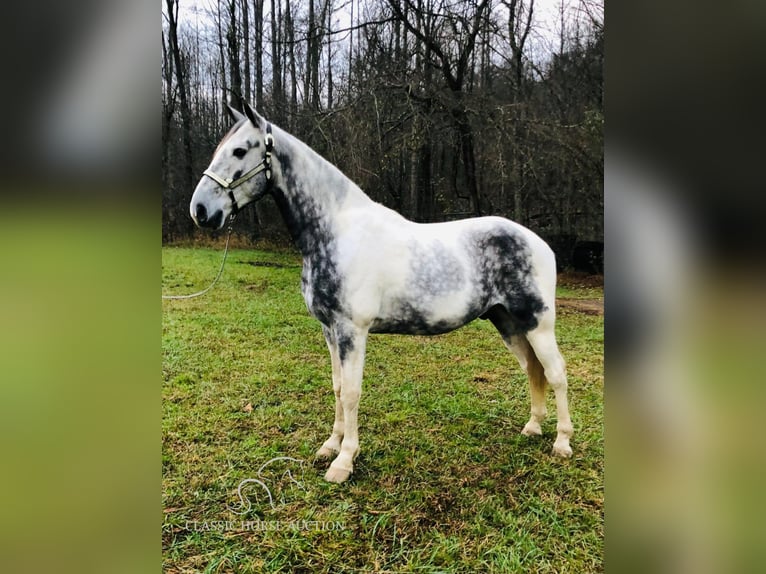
[269, 482]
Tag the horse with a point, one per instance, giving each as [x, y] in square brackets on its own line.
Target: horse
[367, 269]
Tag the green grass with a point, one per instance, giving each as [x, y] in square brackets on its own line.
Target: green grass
[444, 482]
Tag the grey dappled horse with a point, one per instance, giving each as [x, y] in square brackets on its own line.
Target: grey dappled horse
[367, 269]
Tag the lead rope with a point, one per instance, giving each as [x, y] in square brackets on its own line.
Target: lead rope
[209, 287]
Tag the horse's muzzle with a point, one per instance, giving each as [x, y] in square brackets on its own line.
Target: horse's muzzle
[202, 218]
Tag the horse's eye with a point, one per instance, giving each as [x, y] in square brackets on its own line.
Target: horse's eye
[240, 152]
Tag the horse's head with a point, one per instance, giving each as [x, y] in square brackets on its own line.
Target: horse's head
[239, 173]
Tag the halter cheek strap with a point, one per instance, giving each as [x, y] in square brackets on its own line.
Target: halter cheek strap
[229, 184]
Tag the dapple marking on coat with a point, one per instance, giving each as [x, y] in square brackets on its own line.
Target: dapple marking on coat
[367, 269]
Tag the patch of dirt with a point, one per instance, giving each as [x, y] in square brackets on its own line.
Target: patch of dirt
[269, 264]
[578, 279]
[587, 306]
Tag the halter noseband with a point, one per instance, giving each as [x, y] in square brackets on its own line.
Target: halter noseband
[229, 183]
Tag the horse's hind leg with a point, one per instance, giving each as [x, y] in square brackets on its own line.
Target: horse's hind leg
[520, 347]
[332, 445]
[543, 342]
[537, 383]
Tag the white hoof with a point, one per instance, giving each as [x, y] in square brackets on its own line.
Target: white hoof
[532, 428]
[337, 475]
[325, 452]
[562, 449]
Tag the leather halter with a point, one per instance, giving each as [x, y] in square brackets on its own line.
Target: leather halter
[229, 184]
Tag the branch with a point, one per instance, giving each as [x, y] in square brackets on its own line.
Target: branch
[427, 40]
[324, 31]
[528, 26]
[471, 42]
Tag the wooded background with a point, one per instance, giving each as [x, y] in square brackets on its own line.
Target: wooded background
[439, 109]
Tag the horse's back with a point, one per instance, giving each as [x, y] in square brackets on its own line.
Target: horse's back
[407, 277]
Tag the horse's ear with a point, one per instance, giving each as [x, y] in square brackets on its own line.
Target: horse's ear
[253, 116]
[235, 114]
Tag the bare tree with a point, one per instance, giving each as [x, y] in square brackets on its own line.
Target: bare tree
[290, 33]
[519, 26]
[182, 91]
[277, 90]
[453, 60]
[246, 46]
[328, 31]
[258, 47]
[233, 45]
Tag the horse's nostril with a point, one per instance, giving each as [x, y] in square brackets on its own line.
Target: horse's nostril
[201, 213]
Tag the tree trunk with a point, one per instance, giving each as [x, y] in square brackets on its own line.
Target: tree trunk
[276, 62]
[290, 31]
[425, 179]
[465, 132]
[187, 170]
[168, 109]
[232, 42]
[351, 51]
[519, 26]
[222, 56]
[246, 42]
[412, 203]
[308, 82]
[258, 27]
[329, 53]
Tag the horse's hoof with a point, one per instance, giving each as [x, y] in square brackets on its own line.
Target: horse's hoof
[532, 429]
[337, 475]
[325, 452]
[562, 450]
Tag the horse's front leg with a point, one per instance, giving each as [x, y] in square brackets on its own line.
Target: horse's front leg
[332, 445]
[351, 343]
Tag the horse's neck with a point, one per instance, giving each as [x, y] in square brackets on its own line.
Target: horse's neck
[310, 193]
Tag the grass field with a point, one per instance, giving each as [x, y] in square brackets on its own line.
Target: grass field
[445, 482]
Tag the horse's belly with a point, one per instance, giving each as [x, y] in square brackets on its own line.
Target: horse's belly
[432, 296]
[410, 318]
[409, 327]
